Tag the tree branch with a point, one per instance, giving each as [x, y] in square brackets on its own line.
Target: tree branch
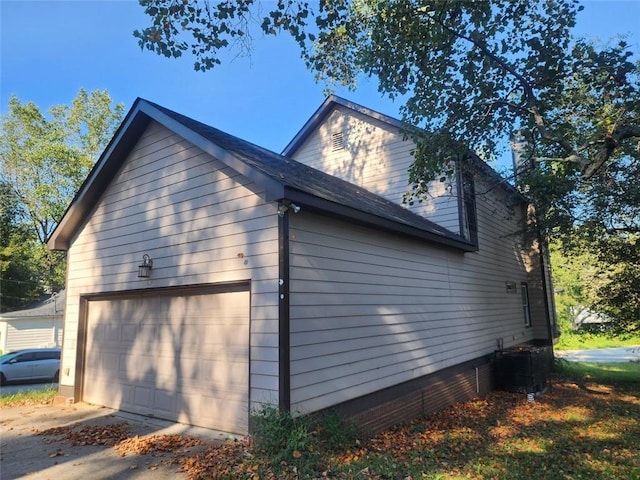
[570, 159]
[527, 88]
[507, 104]
[611, 142]
[531, 102]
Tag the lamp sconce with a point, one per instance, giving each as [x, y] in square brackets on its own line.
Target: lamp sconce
[144, 269]
[284, 207]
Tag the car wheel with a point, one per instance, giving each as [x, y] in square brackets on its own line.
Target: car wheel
[56, 376]
[3, 380]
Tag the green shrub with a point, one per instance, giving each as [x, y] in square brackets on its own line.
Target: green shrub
[336, 433]
[286, 440]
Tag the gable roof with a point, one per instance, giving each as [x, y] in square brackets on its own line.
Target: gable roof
[329, 104]
[282, 179]
[48, 306]
[333, 101]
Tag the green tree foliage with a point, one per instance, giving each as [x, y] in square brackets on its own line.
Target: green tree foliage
[44, 158]
[474, 70]
[619, 297]
[601, 278]
[577, 279]
[470, 74]
[18, 273]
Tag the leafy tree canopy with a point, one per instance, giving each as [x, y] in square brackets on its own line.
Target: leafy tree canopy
[46, 159]
[471, 73]
[43, 161]
[474, 76]
[18, 274]
[603, 278]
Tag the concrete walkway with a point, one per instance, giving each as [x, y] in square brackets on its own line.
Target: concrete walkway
[26, 455]
[602, 355]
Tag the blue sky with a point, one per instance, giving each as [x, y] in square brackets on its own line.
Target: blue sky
[51, 49]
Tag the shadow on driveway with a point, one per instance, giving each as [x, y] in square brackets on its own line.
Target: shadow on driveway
[25, 452]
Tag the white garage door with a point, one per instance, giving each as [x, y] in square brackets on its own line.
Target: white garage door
[183, 357]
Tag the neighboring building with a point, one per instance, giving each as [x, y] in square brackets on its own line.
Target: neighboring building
[272, 282]
[585, 319]
[37, 325]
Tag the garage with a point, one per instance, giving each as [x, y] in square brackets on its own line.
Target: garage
[178, 355]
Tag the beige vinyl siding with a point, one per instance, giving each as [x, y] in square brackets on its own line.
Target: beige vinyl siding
[30, 333]
[370, 310]
[199, 221]
[375, 157]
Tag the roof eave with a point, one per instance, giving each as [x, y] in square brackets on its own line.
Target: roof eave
[332, 209]
[103, 170]
[273, 189]
[138, 118]
[330, 103]
[333, 101]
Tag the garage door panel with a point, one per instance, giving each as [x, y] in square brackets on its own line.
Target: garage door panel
[224, 412]
[164, 401]
[142, 397]
[183, 357]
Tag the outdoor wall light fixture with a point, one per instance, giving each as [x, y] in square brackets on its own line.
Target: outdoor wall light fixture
[284, 207]
[144, 269]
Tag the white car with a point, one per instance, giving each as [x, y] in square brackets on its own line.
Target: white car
[30, 365]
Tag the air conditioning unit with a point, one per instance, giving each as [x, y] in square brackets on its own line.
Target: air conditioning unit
[524, 368]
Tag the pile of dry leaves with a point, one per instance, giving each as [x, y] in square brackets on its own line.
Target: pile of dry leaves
[97, 435]
[212, 460]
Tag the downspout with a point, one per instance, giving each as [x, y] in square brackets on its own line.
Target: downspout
[284, 357]
[545, 286]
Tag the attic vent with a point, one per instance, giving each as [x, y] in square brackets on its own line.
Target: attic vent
[337, 141]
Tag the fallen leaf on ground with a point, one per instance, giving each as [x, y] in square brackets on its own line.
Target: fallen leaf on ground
[95, 435]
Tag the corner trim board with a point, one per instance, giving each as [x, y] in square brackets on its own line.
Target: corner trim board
[284, 343]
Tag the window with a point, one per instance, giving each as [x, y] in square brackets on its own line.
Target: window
[467, 208]
[25, 357]
[48, 355]
[525, 304]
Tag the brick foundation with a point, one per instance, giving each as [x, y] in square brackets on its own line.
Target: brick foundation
[401, 403]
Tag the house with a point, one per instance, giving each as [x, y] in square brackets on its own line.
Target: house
[585, 319]
[37, 325]
[208, 276]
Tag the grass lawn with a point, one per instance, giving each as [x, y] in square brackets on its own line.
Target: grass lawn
[608, 373]
[33, 397]
[587, 426]
[580, 341]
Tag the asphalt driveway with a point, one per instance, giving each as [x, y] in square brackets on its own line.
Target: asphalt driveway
[47, 442]
[608, 355]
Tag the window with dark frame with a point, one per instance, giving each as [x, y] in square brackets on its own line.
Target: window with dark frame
[467, 208]
[524, 288]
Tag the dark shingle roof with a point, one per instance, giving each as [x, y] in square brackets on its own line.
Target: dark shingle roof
[294, 175]
[282, 177]
[47, 306]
